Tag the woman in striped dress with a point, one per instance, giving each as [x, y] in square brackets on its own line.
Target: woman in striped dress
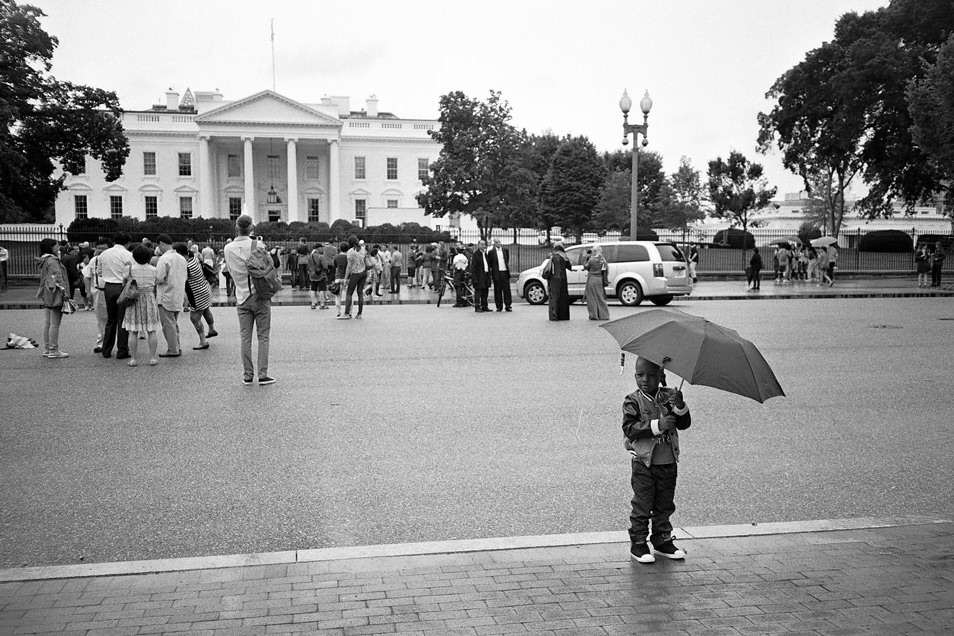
[199, 296]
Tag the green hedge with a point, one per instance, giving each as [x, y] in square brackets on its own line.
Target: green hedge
[886, 241]
[734, 238]
[200, 230]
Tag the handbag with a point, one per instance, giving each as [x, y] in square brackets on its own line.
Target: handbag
[334, 287]
[129, 294]
[69, 306]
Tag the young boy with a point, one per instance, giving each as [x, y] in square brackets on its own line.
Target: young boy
[651, 418]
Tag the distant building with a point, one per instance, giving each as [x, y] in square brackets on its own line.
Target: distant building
[268, 155]
[785, 216]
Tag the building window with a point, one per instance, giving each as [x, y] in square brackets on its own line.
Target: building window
[311, 168]
[392, 168]
[392, 203]
[185, 164]
[273, 167]
[234, 166]
[274, 216]
[185, 207]
[313, 207]
[149, 164]
[235, 208]
[116, 207]
[359, 168]
[360, 211]
[152, 207]
[422, 169]
[79, 206]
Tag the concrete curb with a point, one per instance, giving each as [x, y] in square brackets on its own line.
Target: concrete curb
[689, 533]
[848, 293]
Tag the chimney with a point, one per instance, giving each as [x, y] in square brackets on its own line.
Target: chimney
[172, 100]
[372, 108]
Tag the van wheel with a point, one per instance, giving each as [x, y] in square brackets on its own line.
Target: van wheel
[630, 293]
[660, 301]
[535, 293]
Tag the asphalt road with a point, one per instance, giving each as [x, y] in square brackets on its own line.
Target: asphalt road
[421, 423]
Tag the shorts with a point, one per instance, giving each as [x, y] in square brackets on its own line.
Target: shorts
[319, 285]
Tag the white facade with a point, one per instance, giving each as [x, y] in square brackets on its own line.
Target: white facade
[265, 155]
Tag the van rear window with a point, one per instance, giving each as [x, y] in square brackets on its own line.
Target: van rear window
[628, 253]
[669, 253]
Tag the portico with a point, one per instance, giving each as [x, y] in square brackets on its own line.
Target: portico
[278, 156]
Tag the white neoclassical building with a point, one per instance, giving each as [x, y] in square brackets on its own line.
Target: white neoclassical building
[266, 155]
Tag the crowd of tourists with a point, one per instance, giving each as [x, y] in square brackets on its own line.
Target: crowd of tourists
[134, 289]
[795, 263]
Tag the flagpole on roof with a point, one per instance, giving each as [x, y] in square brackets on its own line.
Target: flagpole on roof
[273, 56]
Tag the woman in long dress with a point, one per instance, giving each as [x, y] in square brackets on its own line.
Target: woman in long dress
[559, 298]
[595, 266]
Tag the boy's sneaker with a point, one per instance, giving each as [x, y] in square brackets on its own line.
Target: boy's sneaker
[262, 381]
[57, 354]
[670, 551]
[641, 553]
[247, 380]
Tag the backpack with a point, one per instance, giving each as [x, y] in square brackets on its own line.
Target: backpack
[262, 275]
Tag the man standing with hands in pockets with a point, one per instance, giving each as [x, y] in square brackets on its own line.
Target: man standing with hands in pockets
[499, 260]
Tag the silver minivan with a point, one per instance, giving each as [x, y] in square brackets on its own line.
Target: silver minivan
[655, 270]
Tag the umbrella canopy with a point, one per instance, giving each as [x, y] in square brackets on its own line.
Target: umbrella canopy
[788, 241]
[824, 241]
[699, 351]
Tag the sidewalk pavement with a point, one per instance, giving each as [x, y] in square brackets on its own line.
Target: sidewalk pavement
[853, 576]
[23, 297]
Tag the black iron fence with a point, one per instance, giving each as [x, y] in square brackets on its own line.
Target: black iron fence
[528, 248]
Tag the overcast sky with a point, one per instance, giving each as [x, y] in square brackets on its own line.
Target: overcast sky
[561, 64]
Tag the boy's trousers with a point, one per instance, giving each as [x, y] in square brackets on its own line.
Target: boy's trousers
[654, 491]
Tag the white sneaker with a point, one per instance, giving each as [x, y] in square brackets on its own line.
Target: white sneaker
[641, 554]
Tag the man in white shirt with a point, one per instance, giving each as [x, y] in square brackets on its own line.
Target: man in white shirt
[252, 310]
[499, 260]
[4, 256]
[113, 266]
[171, 272]
[94, 284]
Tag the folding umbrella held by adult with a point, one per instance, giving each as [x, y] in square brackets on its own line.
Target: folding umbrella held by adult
[697, 350]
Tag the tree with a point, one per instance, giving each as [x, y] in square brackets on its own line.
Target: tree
[45, 123]
[537, 157]
[738, 190]
[479, 171]
[931, 105]
[826, 202]
[680, 199]
[613, 211]
[844, 110]
[817, 123]
[571, 189]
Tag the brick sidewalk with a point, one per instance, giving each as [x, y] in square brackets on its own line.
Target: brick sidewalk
[897, 580]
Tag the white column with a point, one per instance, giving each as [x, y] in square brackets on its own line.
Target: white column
[292, 180]
[249, 179]
[334, 182]
[206, 180]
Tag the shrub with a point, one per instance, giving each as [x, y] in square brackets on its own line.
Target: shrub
[886, 241]
[734, 238]
[808, 231]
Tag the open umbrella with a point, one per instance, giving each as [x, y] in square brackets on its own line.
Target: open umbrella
[699, 351]
[824, 241]
[787, 241]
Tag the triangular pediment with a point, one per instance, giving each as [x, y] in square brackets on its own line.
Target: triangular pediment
[267, 107]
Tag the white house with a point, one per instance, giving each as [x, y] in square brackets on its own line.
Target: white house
[268, 155]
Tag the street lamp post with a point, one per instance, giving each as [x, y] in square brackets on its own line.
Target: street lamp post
[645, 104]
